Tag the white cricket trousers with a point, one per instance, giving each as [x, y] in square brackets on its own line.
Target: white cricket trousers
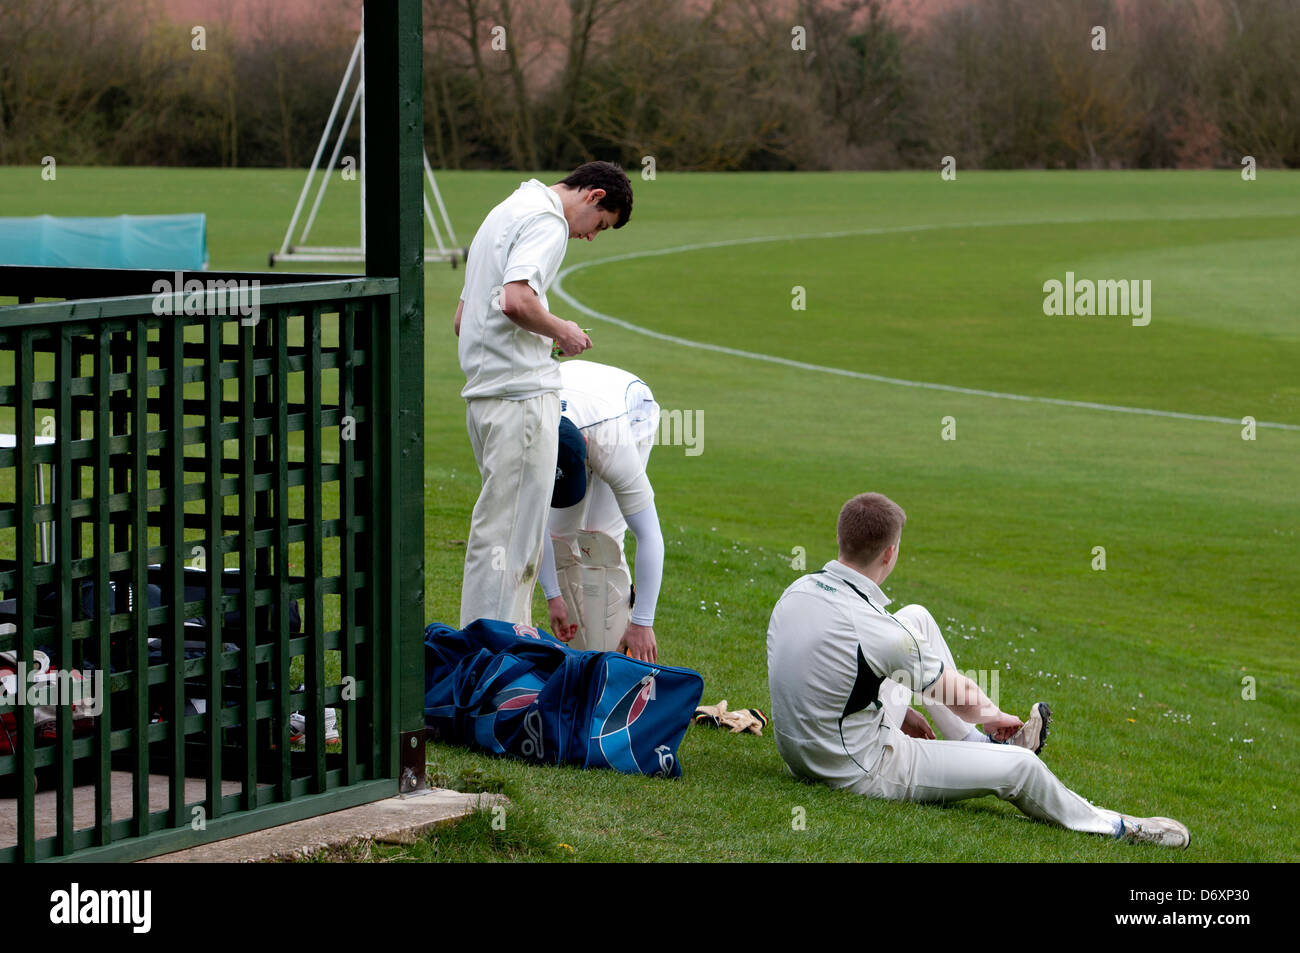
[515, 445]
[916, 769]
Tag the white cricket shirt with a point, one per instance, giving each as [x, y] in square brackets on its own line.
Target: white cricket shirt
[616, 412]
[522, 239]
[841, 670]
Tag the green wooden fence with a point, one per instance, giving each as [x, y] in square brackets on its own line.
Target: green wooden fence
[218, 514]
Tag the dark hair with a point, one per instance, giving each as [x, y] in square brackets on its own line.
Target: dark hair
[868, 524]
[611, 178]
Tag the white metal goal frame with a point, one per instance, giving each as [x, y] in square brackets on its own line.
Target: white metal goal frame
[445, 247]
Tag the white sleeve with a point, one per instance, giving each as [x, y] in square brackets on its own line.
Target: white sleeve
[649, 562]
[536, 253]
[613, 456]
[897, 650]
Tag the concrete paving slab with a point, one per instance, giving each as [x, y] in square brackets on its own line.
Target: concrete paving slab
[83, 804]
[395, 820]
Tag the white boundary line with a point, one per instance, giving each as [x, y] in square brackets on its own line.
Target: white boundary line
[558, 288]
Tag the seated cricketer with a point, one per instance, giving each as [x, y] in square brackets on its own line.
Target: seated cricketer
[842, 672]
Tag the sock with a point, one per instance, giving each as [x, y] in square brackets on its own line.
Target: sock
[976, 735]
[1117, 821]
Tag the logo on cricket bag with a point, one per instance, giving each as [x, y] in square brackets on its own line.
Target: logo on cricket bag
[630, 706]
[532, 746]
[514, 698]
[666, 762]
[640, 716]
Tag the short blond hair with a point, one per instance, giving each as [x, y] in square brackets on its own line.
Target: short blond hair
[868, 525]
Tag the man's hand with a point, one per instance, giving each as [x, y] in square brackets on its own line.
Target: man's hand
[571, 339]
[915, 725]
[560, 626]
[639, 642]
[521, 305]
[455, 323]
[1002, 726]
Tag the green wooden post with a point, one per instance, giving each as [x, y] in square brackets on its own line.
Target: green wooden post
[63, 371]
[280, 323]
[139, 555]
[395, 248]
[102, 544]
[25, 538]
[215, 560]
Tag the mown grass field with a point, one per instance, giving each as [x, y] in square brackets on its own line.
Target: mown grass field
[1148, 665]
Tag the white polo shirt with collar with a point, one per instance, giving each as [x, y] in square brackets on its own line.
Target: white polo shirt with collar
[841, 670]
[522, 239]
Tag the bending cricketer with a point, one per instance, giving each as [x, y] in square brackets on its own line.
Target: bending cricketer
[601, 490]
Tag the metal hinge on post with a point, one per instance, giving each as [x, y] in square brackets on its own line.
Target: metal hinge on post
[412, 779]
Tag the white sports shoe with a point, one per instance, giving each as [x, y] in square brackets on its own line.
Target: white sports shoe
[298, 727]
[1164, 831]
[1034, 733]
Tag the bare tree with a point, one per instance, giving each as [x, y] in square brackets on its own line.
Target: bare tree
[585, 18]
[523, 145]
[700, 84]
[1259, 83]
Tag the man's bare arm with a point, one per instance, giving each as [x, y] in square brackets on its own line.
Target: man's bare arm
[524, 308]
[967, 701]
[455, 324]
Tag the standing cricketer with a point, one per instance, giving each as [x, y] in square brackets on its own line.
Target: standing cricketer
[609, 423]
[842, 671]
[506, 332]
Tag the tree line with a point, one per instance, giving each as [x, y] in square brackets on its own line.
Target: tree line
[705, 85]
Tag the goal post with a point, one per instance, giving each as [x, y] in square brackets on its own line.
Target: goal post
[444, 246]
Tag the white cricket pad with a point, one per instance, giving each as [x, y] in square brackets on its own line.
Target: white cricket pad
[596, 589]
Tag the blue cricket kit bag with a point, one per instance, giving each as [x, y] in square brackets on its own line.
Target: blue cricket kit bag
[518, 691]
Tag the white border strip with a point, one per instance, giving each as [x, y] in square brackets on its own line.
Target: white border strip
[558, 288]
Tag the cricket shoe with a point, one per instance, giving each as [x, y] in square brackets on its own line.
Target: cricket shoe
[298, 727]
[1164, 831]
[1034, 733]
